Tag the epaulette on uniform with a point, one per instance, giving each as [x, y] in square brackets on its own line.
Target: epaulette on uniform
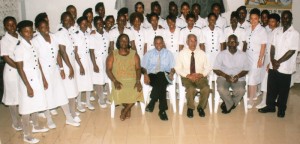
[113, 28]
[60, 29]
[18, 42]
[77, 32]
[218, 27]
[197, 27]
[242, 27]
[183, 28]
[227, 26]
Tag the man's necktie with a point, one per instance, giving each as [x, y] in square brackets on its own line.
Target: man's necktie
[192, 67]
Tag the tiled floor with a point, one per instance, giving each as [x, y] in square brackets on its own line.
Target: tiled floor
[235, 128]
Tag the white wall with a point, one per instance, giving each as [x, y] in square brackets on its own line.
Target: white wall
[55, 7]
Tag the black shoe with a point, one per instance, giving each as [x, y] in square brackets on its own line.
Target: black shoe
[190, 113]
[201, 112]
[266, 110]
[150, 107]
[281, 113]
[228, 111]
[163, 115]
[223, 106]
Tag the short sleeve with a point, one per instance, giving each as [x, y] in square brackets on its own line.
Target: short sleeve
[181, 39]
[294, 45]
[201, 37]
[19, 54]
[4, 46]
[246, 66]
[222, 36]
[59, 38]
[130, 35]
[218, 62]
[111, 35]
[263, 37]
[92, 42]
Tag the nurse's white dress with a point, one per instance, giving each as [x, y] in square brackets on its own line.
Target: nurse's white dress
[65, 38]
[10, 74]
[82, 41]
[28, 54]
[254, 40]
[55, 94]
[213, 40]
[100, 44]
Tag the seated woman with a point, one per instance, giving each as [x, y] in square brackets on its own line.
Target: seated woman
[124, 70]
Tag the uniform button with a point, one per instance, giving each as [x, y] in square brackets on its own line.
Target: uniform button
[34, 68]
[140, 45]
[31, 79]
[102, 53]
[212, 39]
[52, 56]
[103, 38]
[172, 45]
[104, 43]
[212, 43]
[190, 31]
[9, 69]
[49, 65]
[211, 50]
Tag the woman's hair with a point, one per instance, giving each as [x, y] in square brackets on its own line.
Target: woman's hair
[123, 11]
[255, 11]
[155, 4]
[190, 15]
[242, 8]
[211, 14]
[149, 16]
[275, 16]
[88, 10]
[234, 14]
[135, 15]
[65, 14]
[96, 19]
[119, 38]
[265, 12]
[109, 17]
[184, 4]
[8, 18]
[99, 5]
[39, 22]
[25, 23]
[138, 3]
[80, 19]
[171, 17]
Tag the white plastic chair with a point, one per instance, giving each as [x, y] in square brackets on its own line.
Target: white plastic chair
[182, 98]
[217, 96]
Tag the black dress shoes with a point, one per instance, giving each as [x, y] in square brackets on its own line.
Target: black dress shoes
[266, 110]
[223, 106]
[190, 113]
[281, 113]
[163, 115]
[150, 107]
[201, 112]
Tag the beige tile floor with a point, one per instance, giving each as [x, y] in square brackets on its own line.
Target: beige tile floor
[235, 128]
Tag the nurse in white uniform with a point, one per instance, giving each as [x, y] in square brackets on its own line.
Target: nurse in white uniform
[47, 48]
[136, 20]
[32, 85]
[243, 23]
[233, 29]
[190, 29]
[83, 67]
[200, 22]
[98, 53]
[256, 38]
[10, 73]
[171, 35]
[214, 38]
[221, 21]
[120, 29]
[65, 39]
[88, 13]
[153, 31]
[274, 22]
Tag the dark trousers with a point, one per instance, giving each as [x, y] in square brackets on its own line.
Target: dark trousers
[159, 85]
[278, 87]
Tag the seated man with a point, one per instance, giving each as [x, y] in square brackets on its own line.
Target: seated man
[231, 66]
[193, 67]
[158, 68]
